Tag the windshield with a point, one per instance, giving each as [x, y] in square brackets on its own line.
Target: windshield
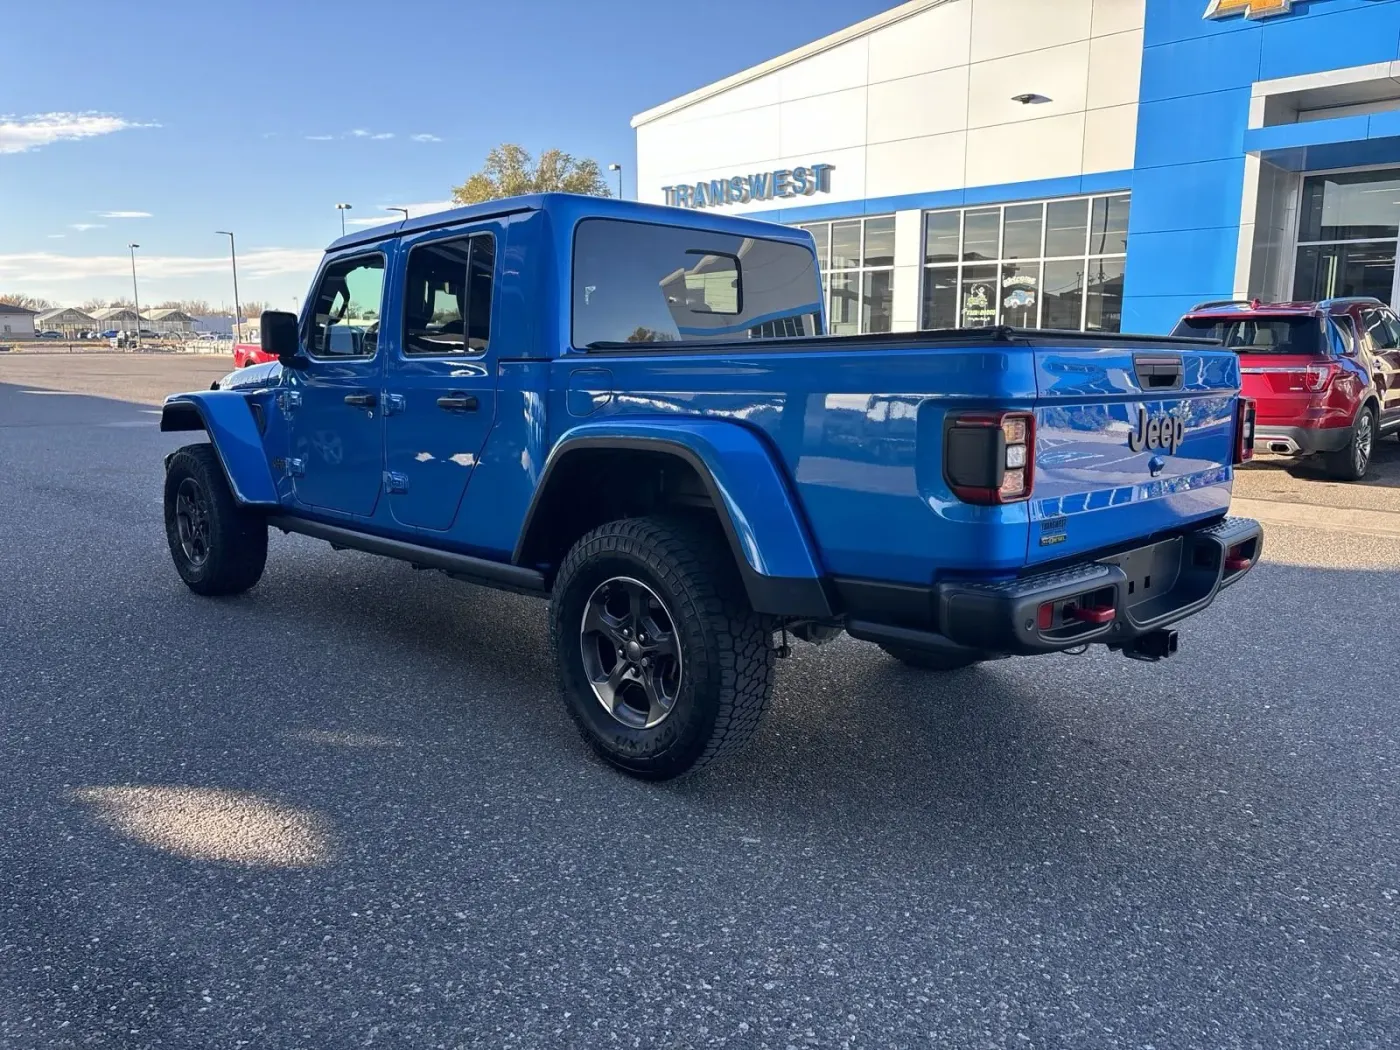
[640, 283]
[1258, 335]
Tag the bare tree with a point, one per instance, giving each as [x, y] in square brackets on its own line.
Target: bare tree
[193, 307]
[253, 308]
[510, 171]
[29, 302]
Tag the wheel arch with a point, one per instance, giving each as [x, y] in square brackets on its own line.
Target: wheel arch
[644, 471]
[228, 418]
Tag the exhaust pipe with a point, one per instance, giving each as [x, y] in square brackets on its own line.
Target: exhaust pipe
[1282, 448]
[1153, 646]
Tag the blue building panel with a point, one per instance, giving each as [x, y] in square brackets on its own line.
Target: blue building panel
[1188, 196]
[1329, 35]
[1192, 128]
[1218, 62]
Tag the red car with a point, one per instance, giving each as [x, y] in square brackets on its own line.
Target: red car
[245, 354]
[1325, 377]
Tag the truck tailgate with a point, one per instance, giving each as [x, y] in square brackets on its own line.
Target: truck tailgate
[1129, 443]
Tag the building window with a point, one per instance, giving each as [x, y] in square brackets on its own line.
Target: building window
[1348, 227]
[857, 259]
[1039, 264]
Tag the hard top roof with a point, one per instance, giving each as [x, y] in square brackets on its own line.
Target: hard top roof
[1256, 307]
[569, 208]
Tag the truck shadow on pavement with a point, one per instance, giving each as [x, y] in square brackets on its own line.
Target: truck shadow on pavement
[1384, 471]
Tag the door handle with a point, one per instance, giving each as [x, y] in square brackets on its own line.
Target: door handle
[458, 403]
[361, 400]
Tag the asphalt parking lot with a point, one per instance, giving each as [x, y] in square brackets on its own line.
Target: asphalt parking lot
[346, 809]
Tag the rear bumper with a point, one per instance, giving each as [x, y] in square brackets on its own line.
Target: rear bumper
[1299, 441]
[1004, 618]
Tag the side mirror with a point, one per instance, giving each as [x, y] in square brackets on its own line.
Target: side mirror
[281, 338]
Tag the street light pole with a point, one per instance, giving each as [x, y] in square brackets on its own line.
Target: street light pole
[342, 208]
[237, 310]
[617, 168]
[135, 295]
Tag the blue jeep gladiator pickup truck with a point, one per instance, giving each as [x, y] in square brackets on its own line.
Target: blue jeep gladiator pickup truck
[634, 411]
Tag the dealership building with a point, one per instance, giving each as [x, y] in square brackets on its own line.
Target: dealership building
[1089, 164]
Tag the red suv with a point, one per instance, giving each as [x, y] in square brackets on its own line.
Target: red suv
[1325, 377]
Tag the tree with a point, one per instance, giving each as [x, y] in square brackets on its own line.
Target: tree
[193, 307]
[29, 302]
[92, 305]
[253, 308]
[510, 171]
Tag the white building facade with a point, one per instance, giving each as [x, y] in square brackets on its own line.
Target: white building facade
[959, 162]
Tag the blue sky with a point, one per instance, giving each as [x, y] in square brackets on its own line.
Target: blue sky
[160, 122]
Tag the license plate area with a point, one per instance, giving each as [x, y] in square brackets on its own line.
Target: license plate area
[1164, 577]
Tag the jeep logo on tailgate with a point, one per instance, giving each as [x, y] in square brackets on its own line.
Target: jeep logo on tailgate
[1159, 431]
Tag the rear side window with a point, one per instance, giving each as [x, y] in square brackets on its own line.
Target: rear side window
[1258, 335]
[638, 283]
[447, 296]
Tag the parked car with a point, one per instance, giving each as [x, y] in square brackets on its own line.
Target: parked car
[111, 333]
[245, 354]
[596, 415]
[49, 335]
[1325, 377]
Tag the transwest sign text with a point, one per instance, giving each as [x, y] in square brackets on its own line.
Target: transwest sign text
[741, 189]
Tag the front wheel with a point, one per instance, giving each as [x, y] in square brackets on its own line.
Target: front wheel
[1352, 462]
[218, 547]
[663, 665]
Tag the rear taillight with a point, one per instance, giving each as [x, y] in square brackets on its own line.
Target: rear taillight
[1319, 377]
[989, 458]
[1244, 430]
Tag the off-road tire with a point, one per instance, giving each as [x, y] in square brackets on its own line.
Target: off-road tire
[1352, 462]
[928, 660]
[236, 537]
[727, 649]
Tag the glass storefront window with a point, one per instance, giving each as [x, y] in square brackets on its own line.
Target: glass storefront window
[979, 296]
[879, 241]
[1108, 226]
[1350, 206]
[1066, 223]
[845, 245]
[1064, 295]
[941, 236]
[1021, 236]
[981, 235]
[1050, 264]
[1020, 294]
[941, 297]
[1359, 268]
[1104, 309]
[877, 301]
[844, 311]
[857, 272]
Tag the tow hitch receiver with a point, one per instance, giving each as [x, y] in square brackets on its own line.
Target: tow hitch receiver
[1152, 646]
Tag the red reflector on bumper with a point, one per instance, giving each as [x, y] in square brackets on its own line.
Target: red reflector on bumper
[1237, 563]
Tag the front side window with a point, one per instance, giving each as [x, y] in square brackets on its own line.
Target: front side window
[447, 296]
[641, 283]
[345, 310]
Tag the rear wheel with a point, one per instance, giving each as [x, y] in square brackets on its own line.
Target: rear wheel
[663, 665]
[930, 660]
[218, 547]
[1352, 462]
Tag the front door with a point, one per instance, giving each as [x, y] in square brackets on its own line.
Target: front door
[336, 450]
[440, 386]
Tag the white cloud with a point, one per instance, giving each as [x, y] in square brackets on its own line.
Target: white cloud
[83, 227]
[319, 138]
[426, 138]
[124, 214]
[414, 211]
[22, 134]
[57, 236]
[50, 267]
[360, 133]
[383, 135]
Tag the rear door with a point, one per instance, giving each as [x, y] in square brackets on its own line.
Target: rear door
[440, 387]
[1130, 441]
